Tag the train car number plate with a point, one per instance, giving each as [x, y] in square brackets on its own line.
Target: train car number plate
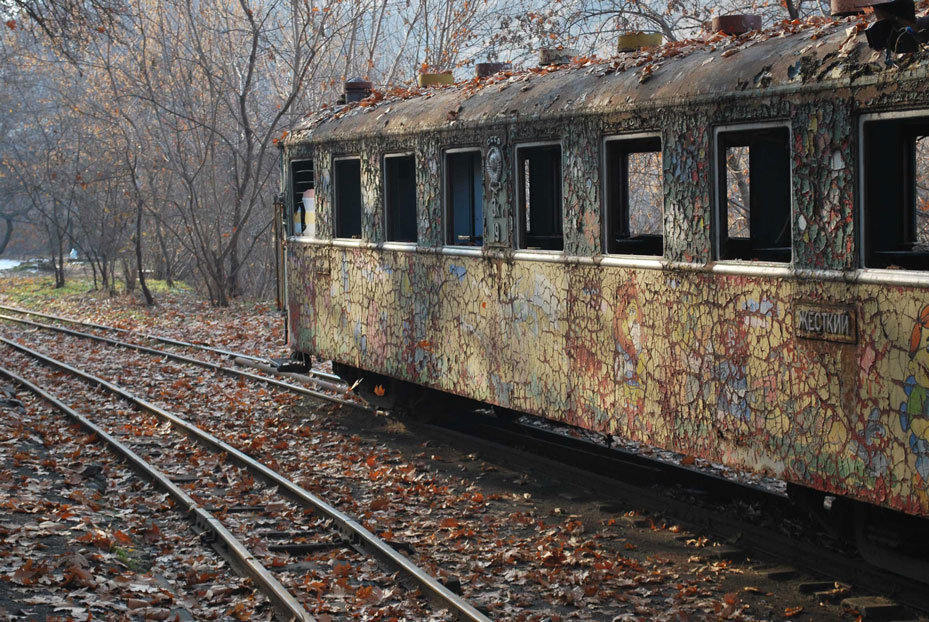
[826, 322]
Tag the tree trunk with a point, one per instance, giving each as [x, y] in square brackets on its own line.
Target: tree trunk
[57, 255]
[6, 234]
[149, 300]
[128, 276]
[222, 295]
[60, 268]
[93, 269]
[165, 257]
[112, 273]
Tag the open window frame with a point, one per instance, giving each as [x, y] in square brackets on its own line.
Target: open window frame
[620, 237]
[548, 235]
[346, 186]
[771, 195]
[400, 203]
[460, 199]
[301, 176]
[887, 191]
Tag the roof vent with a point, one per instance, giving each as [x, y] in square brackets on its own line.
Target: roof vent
[632, 41]
[425, 79]
[556, 56]
[736, 24]
[485, 70]
[356, 89]
[841, 8]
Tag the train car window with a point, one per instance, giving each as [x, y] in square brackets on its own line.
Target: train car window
[400, 198]
[464, 183]
[896, 194]
[634, 196]
[302, 179]
[347, 181]
[539, 194]
[754, 194]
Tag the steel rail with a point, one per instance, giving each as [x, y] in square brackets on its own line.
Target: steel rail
[167, 340]
[353, 531]
[201, 363]
[246, 564]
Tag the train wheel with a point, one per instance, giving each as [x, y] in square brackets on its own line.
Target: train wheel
[378, 390]
[506, 415]
[893, 541]
[832, 513]
[432, 406]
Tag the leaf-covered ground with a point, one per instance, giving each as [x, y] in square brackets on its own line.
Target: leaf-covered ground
[248, 327]
[525, 542]
[81, 537]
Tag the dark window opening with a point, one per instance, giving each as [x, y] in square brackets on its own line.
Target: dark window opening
[539, 190]
[634, 197]
[302, 198]
[347, 180]
[896, 194]
[754, 195]
[465, 190]
[400, 196]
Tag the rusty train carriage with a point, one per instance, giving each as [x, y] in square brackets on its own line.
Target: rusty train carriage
[811, 365]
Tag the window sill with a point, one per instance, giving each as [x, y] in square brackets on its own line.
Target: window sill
[617, 260]
[747, 267]
[462, 250]
[538, 255]
[407, 247]
[893, 276]
[348, 242]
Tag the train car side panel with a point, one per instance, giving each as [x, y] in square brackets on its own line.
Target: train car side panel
[712, 365]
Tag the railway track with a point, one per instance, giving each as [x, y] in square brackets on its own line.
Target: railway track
[229, 547]
[636, 471]
[257, 360]
[279, 517]
[328, 390]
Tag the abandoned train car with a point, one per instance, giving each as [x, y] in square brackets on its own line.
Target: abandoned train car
[763, 304]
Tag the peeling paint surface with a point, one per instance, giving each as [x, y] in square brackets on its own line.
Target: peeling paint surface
[823, 178]
[372, 194]
[581, 161]
[705, 364]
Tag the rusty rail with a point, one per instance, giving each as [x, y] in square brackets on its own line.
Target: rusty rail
[285, 605]
[360, 537]
[201, 363]
[159, 338]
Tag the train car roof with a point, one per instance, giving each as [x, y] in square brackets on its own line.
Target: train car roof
[797, 55]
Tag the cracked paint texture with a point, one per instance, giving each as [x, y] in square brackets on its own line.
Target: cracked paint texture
[823, 179]
[581, 162]
[323, 177]
[372, 195]
[429, 193]
[686, 162]
[705, 364]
